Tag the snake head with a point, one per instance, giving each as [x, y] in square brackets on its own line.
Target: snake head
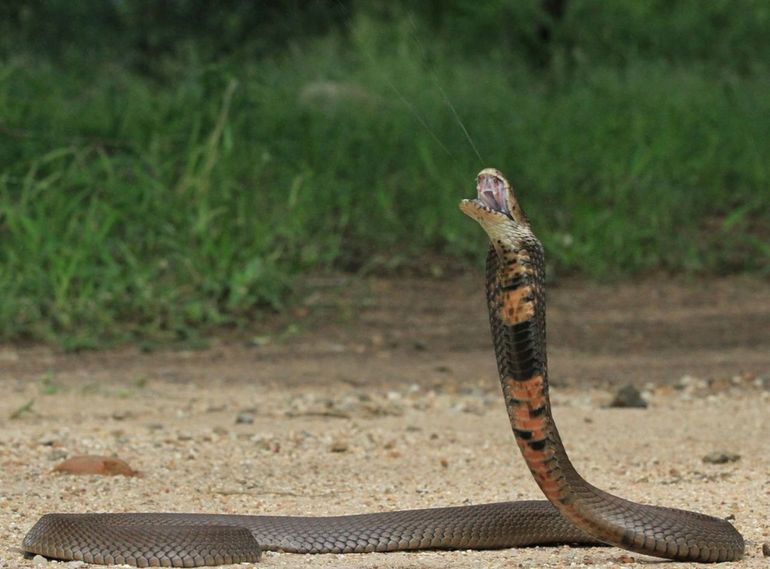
[495, 206]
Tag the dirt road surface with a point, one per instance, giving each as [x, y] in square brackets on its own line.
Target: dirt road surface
[382, 394]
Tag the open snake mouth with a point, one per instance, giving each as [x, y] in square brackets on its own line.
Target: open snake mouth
[492, 191]
[493, 197]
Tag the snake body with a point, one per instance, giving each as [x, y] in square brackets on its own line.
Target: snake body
[576, 511]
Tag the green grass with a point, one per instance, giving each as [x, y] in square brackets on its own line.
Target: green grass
[133, 208]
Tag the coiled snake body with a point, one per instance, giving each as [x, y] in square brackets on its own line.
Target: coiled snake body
[576, 511]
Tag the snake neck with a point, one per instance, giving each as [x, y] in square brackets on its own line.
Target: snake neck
[516, 302]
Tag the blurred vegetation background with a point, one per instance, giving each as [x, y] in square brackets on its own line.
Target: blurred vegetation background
[171, 166]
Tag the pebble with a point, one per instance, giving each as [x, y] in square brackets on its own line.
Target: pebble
[721, 457]
[629, 396]
[245, 418]
[57, 454]
[39, 561]
[766, 549]
[470, 407]
[101, 465]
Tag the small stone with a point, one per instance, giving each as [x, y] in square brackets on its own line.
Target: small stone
[101, 465]
[676, 477]
[474, 408]
[75, 564]
[339, 445]
[377, 339]
[245, 418]
[259, 341]
[766, 549]
[721, 457]
[628, 396]
[39, 561]
[57, 454]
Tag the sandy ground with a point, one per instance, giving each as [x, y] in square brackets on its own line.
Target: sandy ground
[382, 394]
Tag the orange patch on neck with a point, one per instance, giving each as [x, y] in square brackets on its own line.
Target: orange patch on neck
[517, 305]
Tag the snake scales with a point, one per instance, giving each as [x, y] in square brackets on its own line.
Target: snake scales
[576, 512]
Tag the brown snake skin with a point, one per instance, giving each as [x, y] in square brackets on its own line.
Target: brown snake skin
[576, 512]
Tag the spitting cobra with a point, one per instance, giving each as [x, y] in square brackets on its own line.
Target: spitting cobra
[576, 511]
